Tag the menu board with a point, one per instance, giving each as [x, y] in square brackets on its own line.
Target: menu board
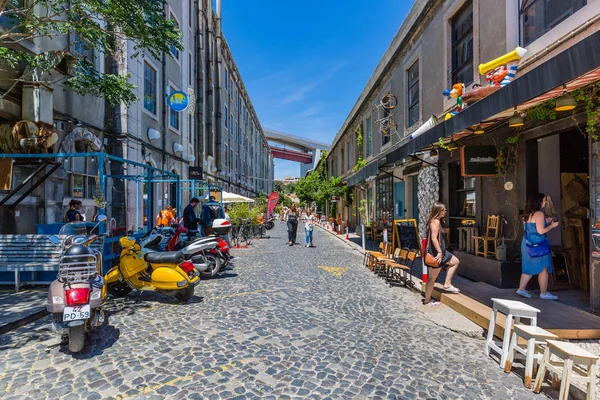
[405, 234]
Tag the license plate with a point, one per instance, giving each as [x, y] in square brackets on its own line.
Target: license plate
[76, 313]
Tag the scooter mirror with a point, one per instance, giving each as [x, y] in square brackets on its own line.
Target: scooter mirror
[54, 239]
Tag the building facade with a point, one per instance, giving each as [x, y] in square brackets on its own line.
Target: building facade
[441, 44]
[218, 132]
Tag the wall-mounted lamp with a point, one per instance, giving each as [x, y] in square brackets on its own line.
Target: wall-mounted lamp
[516, 120]
[433, 153]
[177, 148]
[452, 146]
[153, 134]
[191, 158]
[565, 102]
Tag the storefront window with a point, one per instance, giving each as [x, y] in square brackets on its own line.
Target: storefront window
[84, 172]
[596, 199]
[539, 16]
[384, 200]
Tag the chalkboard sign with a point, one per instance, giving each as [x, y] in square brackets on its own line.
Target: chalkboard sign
[478, 160]
[405, 234]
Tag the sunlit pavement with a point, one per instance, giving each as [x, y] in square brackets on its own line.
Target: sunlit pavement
[283, 322]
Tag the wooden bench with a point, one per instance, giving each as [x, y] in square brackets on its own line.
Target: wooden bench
[28, 253]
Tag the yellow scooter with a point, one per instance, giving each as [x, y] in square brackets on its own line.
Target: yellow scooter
[165, 272]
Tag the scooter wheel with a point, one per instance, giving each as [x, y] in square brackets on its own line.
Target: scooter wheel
[185, 294]
[215, 266]
[118, 289]
[76, 338]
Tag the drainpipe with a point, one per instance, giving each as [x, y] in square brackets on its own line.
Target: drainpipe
[210, 84]
[164, 114]
[217, 89]
[201, 89]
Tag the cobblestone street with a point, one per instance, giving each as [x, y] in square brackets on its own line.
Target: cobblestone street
[283, 322]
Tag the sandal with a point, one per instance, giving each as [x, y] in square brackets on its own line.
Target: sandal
[451, 289]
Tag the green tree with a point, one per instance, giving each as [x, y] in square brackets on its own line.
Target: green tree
[279, 187]
[93, 24]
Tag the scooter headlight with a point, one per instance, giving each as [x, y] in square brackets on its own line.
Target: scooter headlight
[182, 283]
[96, 295]
[57, 300]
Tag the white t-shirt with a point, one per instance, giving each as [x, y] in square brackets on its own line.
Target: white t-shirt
[308, 222]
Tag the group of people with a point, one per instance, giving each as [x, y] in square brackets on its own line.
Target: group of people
[536, 257]
[203, 225]
[293, 216]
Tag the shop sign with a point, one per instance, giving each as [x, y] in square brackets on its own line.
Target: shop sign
[335, 199]
[178, 101]
[478, 160]
[195, 173]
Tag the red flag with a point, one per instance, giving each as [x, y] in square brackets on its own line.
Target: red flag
[271, 203]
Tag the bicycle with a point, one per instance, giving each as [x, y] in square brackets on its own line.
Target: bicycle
[241, 234]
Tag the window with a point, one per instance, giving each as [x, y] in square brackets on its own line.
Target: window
[175, 50]
[384, 200]
[386, 137]
[462, 45]
[190, 128]
[149, 88]
[225, 117]
[231, 121]
[173, 116]
[369, 131]
[191, 70]
[231, 160]
[462, 193]
[83, 174]
[225, 79]
[413, 95]
[536, 17]
[348, 158]
[10, 20]
[83, 49]
[226, 155]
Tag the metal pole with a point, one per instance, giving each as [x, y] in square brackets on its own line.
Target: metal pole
[102, 183]
[137, 205]
[178, 191]
[150, 189]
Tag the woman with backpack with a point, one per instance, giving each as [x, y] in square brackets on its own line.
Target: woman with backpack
[73, 214]
[291, 216]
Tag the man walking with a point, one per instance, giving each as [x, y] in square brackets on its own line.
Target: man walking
[210, 211]
[190, 220]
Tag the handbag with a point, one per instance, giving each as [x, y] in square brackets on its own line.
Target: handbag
[430, 260]
[536, 250]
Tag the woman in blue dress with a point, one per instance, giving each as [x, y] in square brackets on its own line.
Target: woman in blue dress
[536, 228]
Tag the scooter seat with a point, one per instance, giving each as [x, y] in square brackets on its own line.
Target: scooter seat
[167, 257]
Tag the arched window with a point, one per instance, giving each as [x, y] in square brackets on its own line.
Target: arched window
[83, 175]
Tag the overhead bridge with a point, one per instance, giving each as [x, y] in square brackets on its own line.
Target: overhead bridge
[305, 151]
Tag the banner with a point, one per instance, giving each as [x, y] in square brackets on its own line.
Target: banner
[271, 203]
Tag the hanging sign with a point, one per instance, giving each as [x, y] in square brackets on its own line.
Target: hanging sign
[195, 173]
[335, 199]
[478, 160]
[178, 101]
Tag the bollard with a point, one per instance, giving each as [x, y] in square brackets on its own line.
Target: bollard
[346, 230]
[423, 245]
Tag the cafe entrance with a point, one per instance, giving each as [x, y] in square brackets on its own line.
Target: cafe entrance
[558, 166]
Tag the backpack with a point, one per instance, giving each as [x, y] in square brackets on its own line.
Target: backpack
[215, 211]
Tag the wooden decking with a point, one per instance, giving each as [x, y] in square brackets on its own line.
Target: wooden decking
[474, 302]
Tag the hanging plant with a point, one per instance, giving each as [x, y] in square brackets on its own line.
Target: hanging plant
[442, 144]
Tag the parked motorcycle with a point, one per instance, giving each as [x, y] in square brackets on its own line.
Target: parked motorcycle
[164, 272]
[76, 297]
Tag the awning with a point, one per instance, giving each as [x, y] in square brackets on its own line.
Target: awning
[227, 197]
[371, 169]
[576, 61]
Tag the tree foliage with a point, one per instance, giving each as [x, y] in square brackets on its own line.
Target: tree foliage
[91, 25]
[318, 187]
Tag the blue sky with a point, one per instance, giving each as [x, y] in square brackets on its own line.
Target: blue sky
[304, 63]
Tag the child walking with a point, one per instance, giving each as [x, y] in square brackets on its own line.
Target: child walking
[309, 220]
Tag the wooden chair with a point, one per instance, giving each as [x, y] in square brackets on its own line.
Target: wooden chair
[378, 265]
[370, 254]
[399, 269]
[492, 233]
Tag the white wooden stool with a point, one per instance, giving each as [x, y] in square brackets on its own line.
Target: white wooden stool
[572, 357]
[512, 309]
[533, 335]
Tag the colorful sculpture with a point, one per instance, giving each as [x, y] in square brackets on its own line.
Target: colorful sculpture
[458, 89]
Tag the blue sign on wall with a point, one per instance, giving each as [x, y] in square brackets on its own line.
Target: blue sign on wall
[178, 101]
